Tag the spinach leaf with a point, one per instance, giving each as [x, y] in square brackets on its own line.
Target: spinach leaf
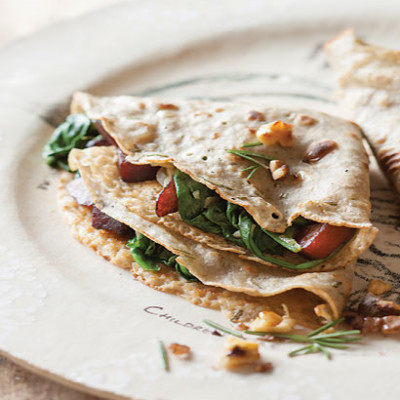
[191, 195]
[220, 216]
[75, 132]
[145, 252]
[149, 254]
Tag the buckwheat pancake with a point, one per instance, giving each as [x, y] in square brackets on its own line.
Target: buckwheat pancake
[251, 286]
[328, 181]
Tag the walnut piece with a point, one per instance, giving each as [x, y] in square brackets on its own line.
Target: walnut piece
[269, 321]
[323, 311]
[180, 350]
[276, 132]
[375, 307]
[377, 287]
[278, 169]
[319, 150]
[239, 353]
[388, 325]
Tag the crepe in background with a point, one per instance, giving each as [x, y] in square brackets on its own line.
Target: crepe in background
[369, 81]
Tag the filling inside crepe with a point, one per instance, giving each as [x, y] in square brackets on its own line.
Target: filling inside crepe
[202, 207]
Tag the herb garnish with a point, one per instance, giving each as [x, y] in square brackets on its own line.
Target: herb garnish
[318, 342]
[149, 255]
[250, 156]
[253, 144]
[75, 132]
[164, 355]
[222, 328]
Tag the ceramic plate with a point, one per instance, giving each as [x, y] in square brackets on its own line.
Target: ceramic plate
[68, 314]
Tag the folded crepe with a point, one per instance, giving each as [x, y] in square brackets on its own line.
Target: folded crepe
[234, 244]
[369, 81]
[203, 144]
[250, 286]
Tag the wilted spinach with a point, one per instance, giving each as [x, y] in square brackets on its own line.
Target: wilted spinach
[201, 207]
[149, 255]
[74, 132]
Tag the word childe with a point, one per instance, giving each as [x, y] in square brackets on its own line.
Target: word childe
[158, 311]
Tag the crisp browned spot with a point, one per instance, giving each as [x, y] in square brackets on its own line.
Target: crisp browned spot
[142, 106]
[216, 135]
[256, 116]
[199, 113]
[381, 140]
[305, 120]
[319, 150]
[252, 131]
[219, 109]
[389, 160]
[168, 107]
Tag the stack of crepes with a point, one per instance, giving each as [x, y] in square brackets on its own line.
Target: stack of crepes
[257, 208]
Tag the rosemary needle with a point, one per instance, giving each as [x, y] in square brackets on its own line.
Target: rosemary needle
[222, 328]
[318, 341]
[164, 356]
[252, 144]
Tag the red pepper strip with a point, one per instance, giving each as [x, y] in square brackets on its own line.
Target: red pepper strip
[167, 200]
[135, 172]
[320, 240]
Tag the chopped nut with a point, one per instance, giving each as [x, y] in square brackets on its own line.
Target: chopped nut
[276, 132]
[378, 287]
[180, 350]
[319, 150]
[278, 169]
[324, 311]
[305, 120]
[391, 324]
[375, 307]
[242, 326]
[239, 353]
[256, 116]
[388, 325]
[168, 107]
[269, 321]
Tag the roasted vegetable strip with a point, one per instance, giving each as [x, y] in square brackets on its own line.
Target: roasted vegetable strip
[320, 240]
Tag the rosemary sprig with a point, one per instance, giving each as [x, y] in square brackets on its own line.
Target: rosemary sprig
[221, 328]
[250, 156]
[164, 355]
[252, 144]
[317, 342]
